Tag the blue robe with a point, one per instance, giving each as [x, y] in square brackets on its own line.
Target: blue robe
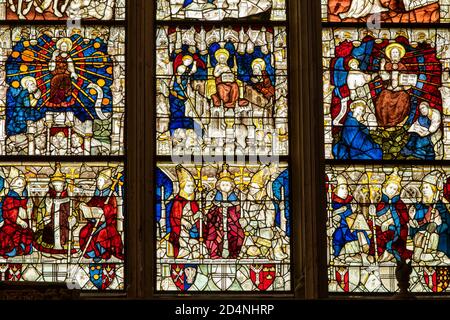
[356, 142]
[443, 230]
[420, 147]
[177, 101]
[343, 234]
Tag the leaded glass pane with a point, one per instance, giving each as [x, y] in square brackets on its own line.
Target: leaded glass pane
[63, 90]
[378, 215]
[222, 90]
[63, 222]
[196, 203]
[386, 93]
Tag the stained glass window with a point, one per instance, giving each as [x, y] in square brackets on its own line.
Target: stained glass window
[62, 97]
[386, 127]
[223, 211]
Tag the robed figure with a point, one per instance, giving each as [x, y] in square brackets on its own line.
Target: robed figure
[224, 234]
[16, 235]
[55, 225]
[185, 217]
[227, 87]
[391, 223]
[393, 104]
[100, 239]
[356, 142]
[430, 223]
[342, 213]
[62, 69]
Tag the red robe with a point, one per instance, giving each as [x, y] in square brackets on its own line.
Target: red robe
[106, 241]
[14, 240]
[398, 237]
[61, 83]
[215, 234]
[265, 86]
[176, 213]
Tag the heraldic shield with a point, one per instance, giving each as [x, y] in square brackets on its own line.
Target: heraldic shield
[262, 276]
[102, 275]
[437, 278]
[183, 276]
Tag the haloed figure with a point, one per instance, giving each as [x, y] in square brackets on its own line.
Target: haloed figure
[62, 69]
[224, 233]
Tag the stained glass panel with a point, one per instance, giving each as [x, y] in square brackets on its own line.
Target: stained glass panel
[386, 93]
[216, 10]
[196, 203]
[63, 90]
[378, 215]
[222, 90]
[63, 222]
[390, 11]
[62, 9]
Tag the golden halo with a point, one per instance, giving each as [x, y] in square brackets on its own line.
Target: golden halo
[66, 41]
[187, 57]
[397, 46]
[259, 62]
[353, 60]
[221, 52]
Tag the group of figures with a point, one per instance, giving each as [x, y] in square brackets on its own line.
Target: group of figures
[232, 217]
[63, 9]
[214, 10]
[386, 94]
[379, 216]
[422, 11]
[62, 224]
[222, 90]
[64, 91]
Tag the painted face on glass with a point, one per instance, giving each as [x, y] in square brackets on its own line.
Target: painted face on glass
[391, 189]
[101, 183]
[427, 190]
[222, 59]
[424, 109]
[395, 55]
[354, 65]
[187, 61]
[358, 112]
[64, 47]
[189, 188]
[342, 191]
[58, 186]
[257, 70]
[225, 186]
[253, 188]
[19, 184]
[31, 86]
